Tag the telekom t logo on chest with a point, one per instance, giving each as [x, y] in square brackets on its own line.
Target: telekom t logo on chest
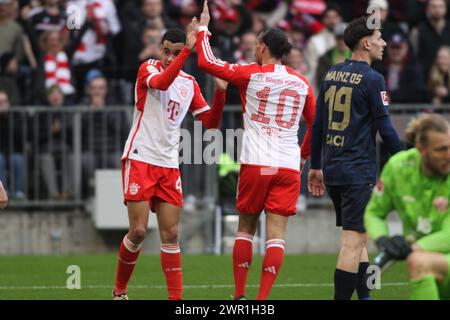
[173, 109]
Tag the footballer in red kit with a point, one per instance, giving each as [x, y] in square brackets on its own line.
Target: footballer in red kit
[150, 174]
[274, 97]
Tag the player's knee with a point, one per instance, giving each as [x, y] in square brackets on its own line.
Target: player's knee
[137, 235]
[417, 264]
[169, 235]
[353, 242]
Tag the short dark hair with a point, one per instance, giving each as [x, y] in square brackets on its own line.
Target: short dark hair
[356, 30]
[277, 42]
[174, 35]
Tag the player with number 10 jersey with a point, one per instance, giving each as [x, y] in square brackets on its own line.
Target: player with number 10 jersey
[273, 99]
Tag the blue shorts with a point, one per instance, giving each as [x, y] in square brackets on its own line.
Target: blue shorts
[349, 202]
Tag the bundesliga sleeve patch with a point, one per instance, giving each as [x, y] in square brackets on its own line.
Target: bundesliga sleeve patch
[152, 69]
[384, 98]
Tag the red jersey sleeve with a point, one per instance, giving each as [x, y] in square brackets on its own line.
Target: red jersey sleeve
[308, 113]
[234, 73]
[198, 103]
[147, 71]
[200, 108]
[150, 76]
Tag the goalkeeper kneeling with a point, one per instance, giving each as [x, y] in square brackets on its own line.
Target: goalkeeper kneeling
[416, 184]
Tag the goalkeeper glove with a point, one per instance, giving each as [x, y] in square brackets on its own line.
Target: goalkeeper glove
[396, 247]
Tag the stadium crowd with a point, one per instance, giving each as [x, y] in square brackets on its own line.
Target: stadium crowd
[87, 52]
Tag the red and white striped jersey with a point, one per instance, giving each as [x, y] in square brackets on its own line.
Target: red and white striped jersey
[273, 99]
[155, 133]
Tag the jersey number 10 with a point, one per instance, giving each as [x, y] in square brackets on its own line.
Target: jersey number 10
[264, 96]
[335, 104]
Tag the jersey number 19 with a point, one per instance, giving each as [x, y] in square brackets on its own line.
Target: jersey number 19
[339, 101]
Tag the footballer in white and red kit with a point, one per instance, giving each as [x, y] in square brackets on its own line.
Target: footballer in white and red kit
[150, 174]
[155, 133]
[273, 97]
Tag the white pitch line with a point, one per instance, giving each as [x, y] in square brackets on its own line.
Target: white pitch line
[205, 286]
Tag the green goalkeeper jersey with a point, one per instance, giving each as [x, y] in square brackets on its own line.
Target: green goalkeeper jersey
[422, 203]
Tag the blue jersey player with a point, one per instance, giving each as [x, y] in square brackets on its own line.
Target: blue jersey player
[352, 106]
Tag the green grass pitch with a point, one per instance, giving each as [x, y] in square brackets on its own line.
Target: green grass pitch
[204, 276]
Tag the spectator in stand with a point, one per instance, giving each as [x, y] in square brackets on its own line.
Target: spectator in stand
[439, 79]
[150, 40]
[8, 77]
[335, 55]
[49, 17]
[404, 75]
[302, 14]
[431, 34]
[231, 20]
[102, 132]
[271, 11]
[388, 25]
[415, 12]
[258, 24]
[102, 20]
[155, 16]
[182, 11]
[296, 60]
[320, 43]
[136, 20]
[11, 31]
[12, 144]
[244, 55]
[54, 147]
[246, 52]
[56, 64]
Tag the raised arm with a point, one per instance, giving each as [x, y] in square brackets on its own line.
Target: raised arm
[206, 59]
[163, 80]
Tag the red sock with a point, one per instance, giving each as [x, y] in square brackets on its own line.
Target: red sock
[171, 265]
[242, 259]
[271, 266]
[128, 254]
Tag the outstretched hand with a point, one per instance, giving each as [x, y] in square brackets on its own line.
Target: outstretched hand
[204, 17]
[191, 33]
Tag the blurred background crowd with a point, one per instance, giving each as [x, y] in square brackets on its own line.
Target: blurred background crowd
[86, 53]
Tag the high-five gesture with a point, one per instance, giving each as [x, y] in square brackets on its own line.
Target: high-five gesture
[204, 17]
[191, 34]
